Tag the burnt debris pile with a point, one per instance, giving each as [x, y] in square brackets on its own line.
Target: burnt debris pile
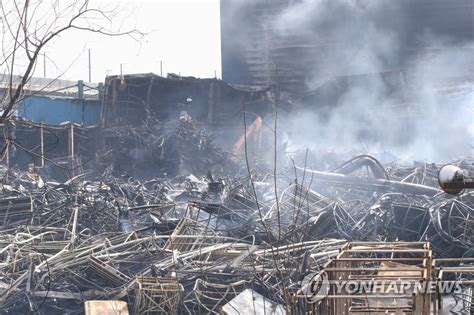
[198, 244]
[154, 148]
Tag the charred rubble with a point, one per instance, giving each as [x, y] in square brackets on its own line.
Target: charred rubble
[156, 213]
[174, 147]
[191, 244]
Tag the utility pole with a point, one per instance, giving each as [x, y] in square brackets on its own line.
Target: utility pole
[90, 69]
[161, 68]
[121, 73]
[44, 65]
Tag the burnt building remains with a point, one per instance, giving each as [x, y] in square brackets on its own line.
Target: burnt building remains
[199, 196]
[130, 99]
[171, 124]
[300, 44]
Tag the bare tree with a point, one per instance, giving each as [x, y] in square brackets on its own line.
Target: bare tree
[27, 26]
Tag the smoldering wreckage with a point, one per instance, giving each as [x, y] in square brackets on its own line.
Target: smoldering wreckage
[160, 219]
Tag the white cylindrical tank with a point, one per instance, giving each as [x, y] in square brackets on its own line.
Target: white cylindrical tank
[450, 174]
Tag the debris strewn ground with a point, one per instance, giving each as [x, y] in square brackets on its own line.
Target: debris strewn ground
[194, 243]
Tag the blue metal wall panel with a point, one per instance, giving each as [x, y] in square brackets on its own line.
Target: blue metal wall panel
[57, 110]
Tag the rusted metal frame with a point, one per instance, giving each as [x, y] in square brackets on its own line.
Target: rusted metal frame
[157, 295]
[463, 259]
[338, 266]
[344, 269]
[378, 309]
[368, 259]
[458, 269]
[386, 244]
[425, 298]
[376, 250]
[379, 296]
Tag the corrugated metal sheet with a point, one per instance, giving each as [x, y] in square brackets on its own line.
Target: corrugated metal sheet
[57, 110]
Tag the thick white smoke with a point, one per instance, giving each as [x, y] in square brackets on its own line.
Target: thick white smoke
[428, 116]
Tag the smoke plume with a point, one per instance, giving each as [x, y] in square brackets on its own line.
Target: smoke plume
[387, 78]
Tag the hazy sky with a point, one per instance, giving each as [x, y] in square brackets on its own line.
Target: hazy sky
[184, 34]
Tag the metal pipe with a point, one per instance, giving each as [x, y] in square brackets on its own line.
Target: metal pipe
[370, 183]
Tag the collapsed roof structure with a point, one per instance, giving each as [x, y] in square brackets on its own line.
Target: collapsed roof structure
[130, 99]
